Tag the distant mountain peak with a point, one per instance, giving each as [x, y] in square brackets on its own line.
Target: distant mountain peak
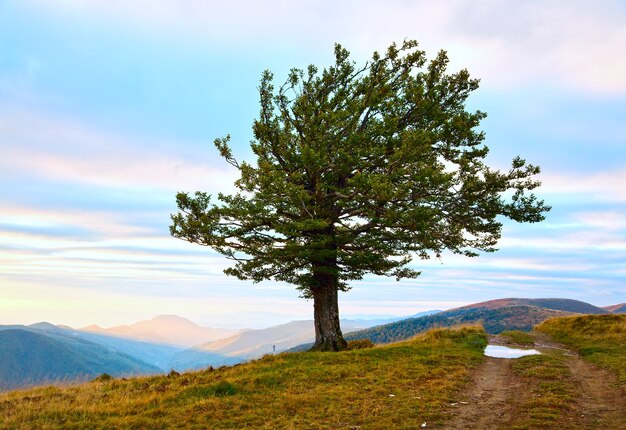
[43, 325]
[165, 329]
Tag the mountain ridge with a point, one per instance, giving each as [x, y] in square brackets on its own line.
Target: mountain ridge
[560, 304]
[495, 315]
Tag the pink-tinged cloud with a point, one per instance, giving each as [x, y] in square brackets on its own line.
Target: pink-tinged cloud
[574, 43]
[604, 186]
[104, 224]
[64, 150]
[609, 221]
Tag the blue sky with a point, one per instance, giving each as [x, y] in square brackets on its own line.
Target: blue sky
[108, 108]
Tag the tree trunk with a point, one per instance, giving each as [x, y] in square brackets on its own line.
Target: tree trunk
[328, 336]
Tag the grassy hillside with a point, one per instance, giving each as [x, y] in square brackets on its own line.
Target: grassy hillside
[29, 358]
[494, 321]
[398, 386]
[600, 339]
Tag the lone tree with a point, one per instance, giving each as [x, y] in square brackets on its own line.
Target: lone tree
[359, 169]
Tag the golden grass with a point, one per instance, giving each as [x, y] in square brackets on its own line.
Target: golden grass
[397, 386]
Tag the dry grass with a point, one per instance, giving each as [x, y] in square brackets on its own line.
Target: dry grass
[398, 386]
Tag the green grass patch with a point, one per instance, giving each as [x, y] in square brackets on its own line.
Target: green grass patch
[600, 339]
[200, 392]
[518, 337]
[552, 394]
[397, 386]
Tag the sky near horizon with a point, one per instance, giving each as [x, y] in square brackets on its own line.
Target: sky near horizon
[108, 108]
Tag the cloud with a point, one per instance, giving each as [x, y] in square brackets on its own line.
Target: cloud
[570, 43]
[605, 186]
[84, 209]
[505, 42]
[611, 221]
[38, 221]
[65, 150]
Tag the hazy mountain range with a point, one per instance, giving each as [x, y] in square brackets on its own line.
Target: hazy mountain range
[43, 353]
[165, 329]
[29, 356]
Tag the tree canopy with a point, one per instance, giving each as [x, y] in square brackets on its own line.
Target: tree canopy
[359, 169]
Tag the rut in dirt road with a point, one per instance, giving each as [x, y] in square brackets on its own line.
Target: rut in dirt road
[489, 403]
[599, 405]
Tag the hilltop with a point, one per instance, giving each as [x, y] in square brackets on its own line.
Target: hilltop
[565, 305]
[255, 343]
[123, 344]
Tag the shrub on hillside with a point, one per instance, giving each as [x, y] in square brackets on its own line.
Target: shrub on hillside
[360, 344]
[103, 377]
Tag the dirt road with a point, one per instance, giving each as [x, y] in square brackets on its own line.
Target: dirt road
[501, 398]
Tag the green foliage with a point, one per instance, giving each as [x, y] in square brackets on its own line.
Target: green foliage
[222, 388]
[103, 377]
[600, 339]
[360, 168]
[350, 389]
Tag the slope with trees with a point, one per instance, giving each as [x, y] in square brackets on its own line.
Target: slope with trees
[493, 320]
[496, 316]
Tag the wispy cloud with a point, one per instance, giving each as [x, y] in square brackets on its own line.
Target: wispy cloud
[599, 186]
[66, 150]
[573, 43]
